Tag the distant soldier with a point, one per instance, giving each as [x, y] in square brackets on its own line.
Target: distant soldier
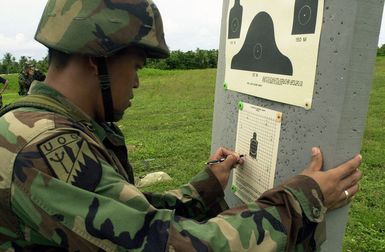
[5, 82]
[27, 76]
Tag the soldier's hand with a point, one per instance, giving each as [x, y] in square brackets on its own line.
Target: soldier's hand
[222, 170]
[338, 185]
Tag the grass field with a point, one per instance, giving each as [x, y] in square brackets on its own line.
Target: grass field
[168, 128]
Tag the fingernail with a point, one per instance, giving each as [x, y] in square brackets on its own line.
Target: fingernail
[360, 157]
[315, 151]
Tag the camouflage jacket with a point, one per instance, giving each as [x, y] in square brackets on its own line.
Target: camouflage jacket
[25, 80]
[63, 186]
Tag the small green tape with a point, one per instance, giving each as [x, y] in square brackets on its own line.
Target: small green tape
[241, 105]
[225, 86]
[233, 188]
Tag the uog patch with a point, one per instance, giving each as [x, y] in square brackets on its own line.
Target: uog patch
[69, 157]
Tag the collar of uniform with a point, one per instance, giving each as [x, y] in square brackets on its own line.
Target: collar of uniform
[40, 88]
[114, 134]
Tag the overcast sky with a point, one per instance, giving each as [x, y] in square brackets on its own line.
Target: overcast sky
[189, 24]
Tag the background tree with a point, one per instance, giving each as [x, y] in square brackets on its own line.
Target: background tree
[381, 50]
[9, 64]
[198, 59]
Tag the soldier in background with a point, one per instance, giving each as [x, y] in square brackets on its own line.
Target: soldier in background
[27, 76]
[65, 180]
[5, 83]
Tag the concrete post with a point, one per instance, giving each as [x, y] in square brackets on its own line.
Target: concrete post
[336, 120]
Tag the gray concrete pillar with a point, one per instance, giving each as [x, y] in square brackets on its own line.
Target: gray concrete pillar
[336, 120]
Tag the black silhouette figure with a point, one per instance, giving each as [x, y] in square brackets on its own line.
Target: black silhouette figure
[305, 16]
[259, 52]
[235, 20]
[253, 146]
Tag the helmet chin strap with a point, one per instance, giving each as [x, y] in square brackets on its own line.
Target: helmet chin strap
[105, 88]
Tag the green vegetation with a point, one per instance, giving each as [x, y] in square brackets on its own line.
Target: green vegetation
[168, 128]
[198, 59]
[9, 64]
[381, 50]
[366, 228]
[170, 122]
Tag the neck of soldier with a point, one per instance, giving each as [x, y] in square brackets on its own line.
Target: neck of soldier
[79, 83]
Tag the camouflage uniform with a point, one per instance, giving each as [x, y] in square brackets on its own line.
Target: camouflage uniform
[65, 183]
[25, 80]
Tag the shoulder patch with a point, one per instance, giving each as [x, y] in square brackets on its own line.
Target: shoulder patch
[70, 158]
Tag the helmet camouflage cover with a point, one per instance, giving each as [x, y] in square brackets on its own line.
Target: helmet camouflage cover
[100, 28]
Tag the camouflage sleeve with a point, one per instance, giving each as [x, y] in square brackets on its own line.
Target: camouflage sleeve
[201, 199]
[23, 84]
[39, 75]
[66, 195]
[287, 218]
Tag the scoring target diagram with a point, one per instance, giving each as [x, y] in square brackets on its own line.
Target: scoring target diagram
[272, 48]
[258, 135]
[259, 52]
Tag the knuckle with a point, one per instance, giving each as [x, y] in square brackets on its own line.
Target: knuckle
[232, 157]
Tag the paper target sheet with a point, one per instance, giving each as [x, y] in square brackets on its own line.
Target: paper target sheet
[272, 49]
[258, 137]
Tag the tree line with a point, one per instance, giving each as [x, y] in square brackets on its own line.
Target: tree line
[381, 50]
[198, 59]
[9, 64]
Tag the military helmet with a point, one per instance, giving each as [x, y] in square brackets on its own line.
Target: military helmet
[28, 65]
[100, 28]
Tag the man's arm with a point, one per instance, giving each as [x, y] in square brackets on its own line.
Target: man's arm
[117, 216]
[201, 199]
[39, 75]
[68, 195]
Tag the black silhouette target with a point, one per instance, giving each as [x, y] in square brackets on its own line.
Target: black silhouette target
[260, 53]
[235, 20]
[305, 16]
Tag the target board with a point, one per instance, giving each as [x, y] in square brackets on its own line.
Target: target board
[272, 49]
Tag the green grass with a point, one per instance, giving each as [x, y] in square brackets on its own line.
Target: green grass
[170, 123]
[11, 93]
[168, 128]
[366, 227]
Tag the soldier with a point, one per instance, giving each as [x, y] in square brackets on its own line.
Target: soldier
[5, 82]
[27, 76]
[65, 180]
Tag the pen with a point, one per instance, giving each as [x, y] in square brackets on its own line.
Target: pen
[219, 160]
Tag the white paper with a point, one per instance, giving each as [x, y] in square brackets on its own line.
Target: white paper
[272, 48]
[258, 137]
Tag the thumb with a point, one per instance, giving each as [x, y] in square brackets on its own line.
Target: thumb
[230, 161]
[316, 160]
